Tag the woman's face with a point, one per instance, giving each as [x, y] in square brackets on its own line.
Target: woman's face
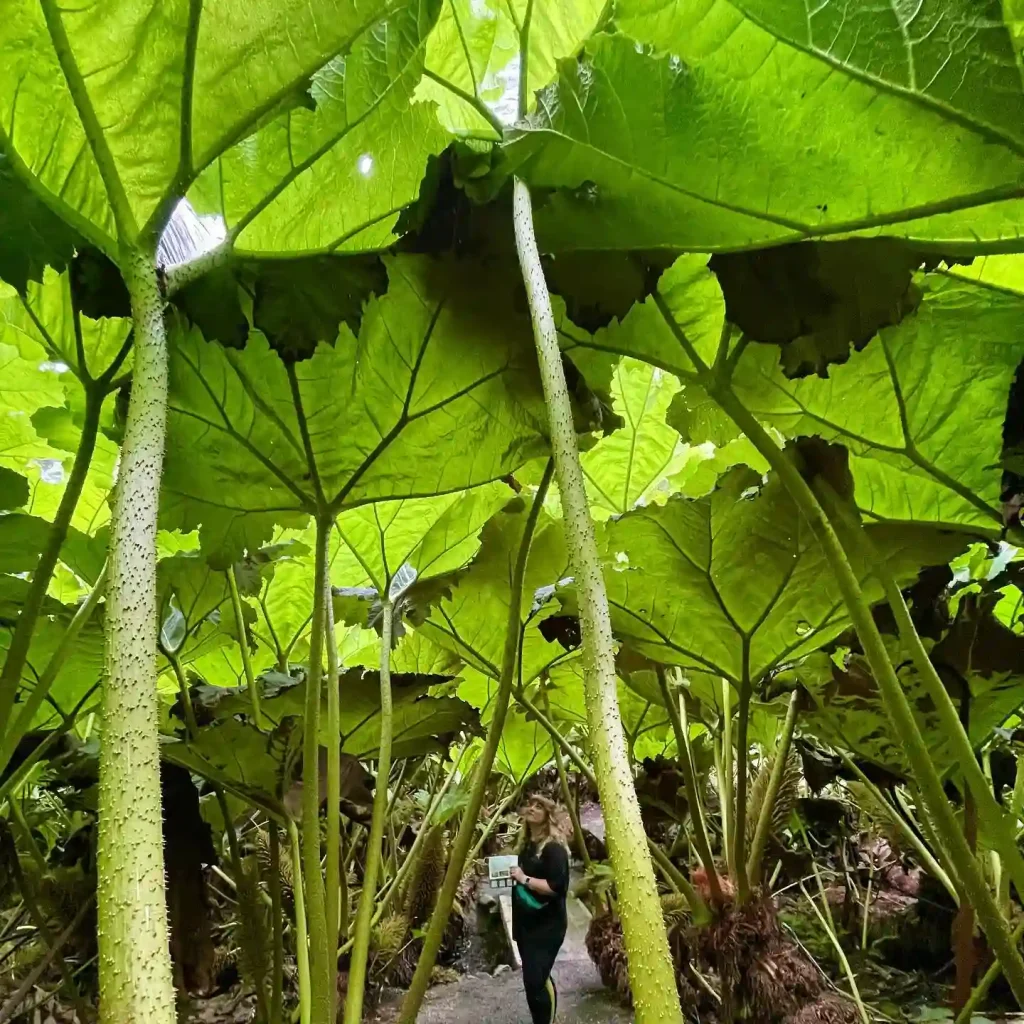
[533, 813]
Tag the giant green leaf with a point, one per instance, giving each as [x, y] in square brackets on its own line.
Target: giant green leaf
[978, 659]
[150, 93]
[954, 57]
[735, 584]
[46, 319]
[23, 536]
[24, 389]
[1005, 272]
[471, 621]
[61, 352]
[438, 393]
[634, 463]
[419, 720]
[335, 176]
[433, 536]
[691, 292]
[730, 135]
[525, 747]
[48, 477]
[920, 408]
[32, 237]
[80, 671]
[481, 49]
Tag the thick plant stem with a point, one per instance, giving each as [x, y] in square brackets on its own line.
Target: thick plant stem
[333, 791]
[40, 691]
[21, 641]
[904, 723]
[367, 898]
[674, 876]
[467, 828]
[700, 835]
[301, 936]
[277, 912]
[764, 819]
[135, 962]
[651, 974]
[563, 782]
[977, 997]
[739, 837]
[243, 646]
[322, 968]
[413, 856]
[246, 890]
[1001, 827]
[725, 782]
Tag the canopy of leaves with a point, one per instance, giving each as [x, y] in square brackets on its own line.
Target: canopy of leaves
[749, 124]
[471, 622]
[114, 110]
[920, 408]
[735, 584]
[440, 393]
[635, 463]
[421, 722]
[333, 171]
[485, 54]
[978, 659]
[432, 536]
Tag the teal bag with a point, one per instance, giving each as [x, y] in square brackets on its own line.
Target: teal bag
[526, 898]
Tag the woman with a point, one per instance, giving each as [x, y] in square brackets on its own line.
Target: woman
[538, 901]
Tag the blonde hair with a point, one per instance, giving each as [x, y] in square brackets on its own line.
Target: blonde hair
[557, 823]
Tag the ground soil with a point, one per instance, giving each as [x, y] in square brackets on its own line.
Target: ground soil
[481, 999]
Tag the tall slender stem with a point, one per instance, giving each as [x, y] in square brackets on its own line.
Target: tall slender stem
[301, 936]
[739, 837]
[651, 974]
[21, 641]
[764, 818]
[467, 827]
[323, 969]
[367, 898]
[725, 782]
[135, 965]
[897, 706]
[524, 61]
[243, 645]
[247, 890]
[333, 791]
[563, 782]
[277, 913]
[700, 835]
[1001, 826]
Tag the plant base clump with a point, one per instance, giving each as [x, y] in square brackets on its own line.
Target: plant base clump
[396, 942]
[739, 967]
[831, 1009]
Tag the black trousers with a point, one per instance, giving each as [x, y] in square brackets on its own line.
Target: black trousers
[538, 956]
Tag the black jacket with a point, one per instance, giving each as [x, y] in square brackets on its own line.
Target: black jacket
[548, 922]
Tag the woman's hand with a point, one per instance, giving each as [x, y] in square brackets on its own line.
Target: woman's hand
[518, 875]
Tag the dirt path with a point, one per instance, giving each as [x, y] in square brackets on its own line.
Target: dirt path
[481, 999]
[486, 999]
